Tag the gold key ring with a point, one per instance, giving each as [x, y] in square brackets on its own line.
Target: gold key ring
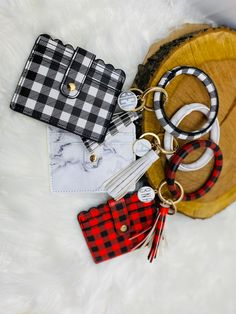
[153, 135]
[141, 107]
[164, 151]
[134, 89]
[151, 90]
[158, 143]
[169, 201]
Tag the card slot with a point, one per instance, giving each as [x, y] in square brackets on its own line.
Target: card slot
[102, 74]
[63, 48]
[50, 60]
[99, 83]
[37, 49]
[93, 66]
[99, 221]
[97, 62]
[106, 210]
[57, 45]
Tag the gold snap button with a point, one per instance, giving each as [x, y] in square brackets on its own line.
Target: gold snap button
[71, 86]
[123, 228]
[93, 157]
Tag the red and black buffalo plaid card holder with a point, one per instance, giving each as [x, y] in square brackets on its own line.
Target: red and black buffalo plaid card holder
[116, 227]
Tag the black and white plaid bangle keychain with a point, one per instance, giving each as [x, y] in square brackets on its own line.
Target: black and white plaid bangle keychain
[159, 105]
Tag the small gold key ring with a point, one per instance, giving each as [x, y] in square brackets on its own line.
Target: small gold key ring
[142, 97]
[168, 201]
[157, 143]
[164, 151]
[141, 107]
[153, 135]
[151, 90]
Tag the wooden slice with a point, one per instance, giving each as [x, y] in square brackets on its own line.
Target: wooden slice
[214, 51]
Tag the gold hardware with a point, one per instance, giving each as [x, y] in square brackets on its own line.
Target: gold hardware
[157, 143]
[153, 135]
[164, 151]
[93, 158]
[140, 92]
[143, 95]
[123, 228]
[151, 90]
[169, 201]
[134, 89]
[71, 86]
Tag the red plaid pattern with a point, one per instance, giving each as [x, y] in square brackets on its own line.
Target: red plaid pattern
[108, 228]
[178, 158]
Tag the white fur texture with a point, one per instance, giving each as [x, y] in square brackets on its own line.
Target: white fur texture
[45, 266]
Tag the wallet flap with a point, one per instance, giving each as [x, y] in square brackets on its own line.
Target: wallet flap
[120, 215]
[76, 73]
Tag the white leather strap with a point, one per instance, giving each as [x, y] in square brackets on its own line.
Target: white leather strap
[214, 135]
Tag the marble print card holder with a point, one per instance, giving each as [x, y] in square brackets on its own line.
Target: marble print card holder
[74, 169]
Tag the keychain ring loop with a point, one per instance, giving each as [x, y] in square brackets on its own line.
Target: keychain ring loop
[159, 106]
[153, 135]
[173, 208]
[169, 201]
[141, 107]
[165, 151]
[151, 90]
[135, 89]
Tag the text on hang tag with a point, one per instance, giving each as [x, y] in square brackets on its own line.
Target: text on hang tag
[127, 100]
[141, 147]
[146, 194]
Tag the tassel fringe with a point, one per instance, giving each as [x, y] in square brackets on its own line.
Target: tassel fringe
[119, 185]
[154, 235]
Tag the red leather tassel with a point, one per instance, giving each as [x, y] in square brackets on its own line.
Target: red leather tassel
[155, 232]
[160, 224]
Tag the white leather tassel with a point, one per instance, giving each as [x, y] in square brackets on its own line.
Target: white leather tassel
[120, 184]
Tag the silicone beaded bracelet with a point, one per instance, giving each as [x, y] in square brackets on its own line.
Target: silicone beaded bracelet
[214, 136]
[159, 105]
[180, 155]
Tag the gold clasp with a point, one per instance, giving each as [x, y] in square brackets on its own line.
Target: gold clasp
[170, 202]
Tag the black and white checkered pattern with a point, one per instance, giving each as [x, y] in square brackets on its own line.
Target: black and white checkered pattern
[118, 122]
[42, 91]
[159, 105]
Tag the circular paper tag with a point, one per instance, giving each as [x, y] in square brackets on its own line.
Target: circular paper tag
[146, 194]
[142, 147]
[127, 101]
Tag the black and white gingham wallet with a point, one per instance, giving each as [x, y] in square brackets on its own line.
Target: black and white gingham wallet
[68, 88]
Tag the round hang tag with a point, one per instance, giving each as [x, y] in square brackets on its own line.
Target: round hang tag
[141, 147]
[127, 100]
[146, 194]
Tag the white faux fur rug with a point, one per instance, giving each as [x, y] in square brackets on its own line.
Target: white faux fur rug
[45, 266]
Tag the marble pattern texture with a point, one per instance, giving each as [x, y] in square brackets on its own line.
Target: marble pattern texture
[71, 169]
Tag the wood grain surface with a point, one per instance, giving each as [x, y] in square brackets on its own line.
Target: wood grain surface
[214, 51]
